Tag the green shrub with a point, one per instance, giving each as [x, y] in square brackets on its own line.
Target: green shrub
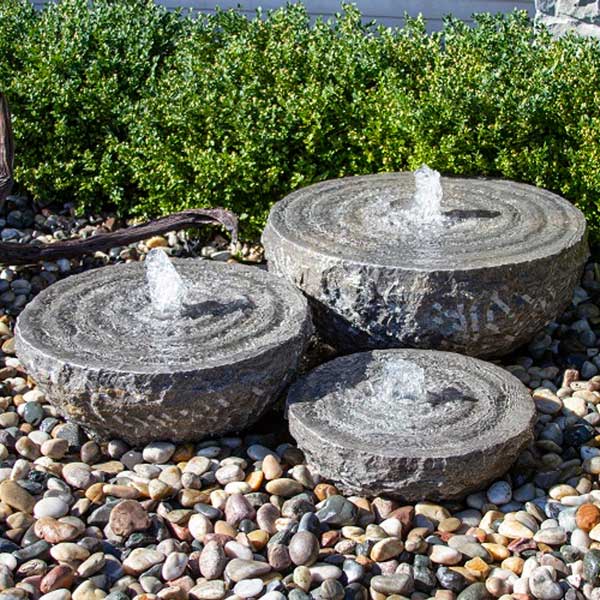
[125, 104]
[75, 77]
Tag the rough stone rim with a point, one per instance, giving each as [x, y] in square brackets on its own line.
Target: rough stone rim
[526, 409]
[295, 303]
[277, 228]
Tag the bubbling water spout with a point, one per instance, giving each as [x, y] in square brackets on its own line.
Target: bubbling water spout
[427, 200]
[167, 288]
[400, 380]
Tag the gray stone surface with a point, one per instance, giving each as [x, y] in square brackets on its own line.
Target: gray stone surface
[364, 425]
[502, 266]
[566, 16]
[107, 362]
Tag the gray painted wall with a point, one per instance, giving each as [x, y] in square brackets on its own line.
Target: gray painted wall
[389, 12]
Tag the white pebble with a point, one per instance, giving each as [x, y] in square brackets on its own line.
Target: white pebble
[158, 452]
[50, 507]
[248, 588]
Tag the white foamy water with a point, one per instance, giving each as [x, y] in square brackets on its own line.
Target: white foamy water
[399, 380]
[426, 205]
[166, 287]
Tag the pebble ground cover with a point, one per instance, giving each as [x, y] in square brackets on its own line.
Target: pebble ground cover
[245, 517]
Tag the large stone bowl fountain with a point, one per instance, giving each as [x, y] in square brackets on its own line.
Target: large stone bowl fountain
[412, 424]
[388, 264]
[199, 350]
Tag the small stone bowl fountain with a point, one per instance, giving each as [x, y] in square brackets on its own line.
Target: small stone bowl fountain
[387, 262]
[203, 349]
[411, 424]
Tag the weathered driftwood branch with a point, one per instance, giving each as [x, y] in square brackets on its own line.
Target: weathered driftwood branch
[20, 254]
[23, 254]
[7, 149]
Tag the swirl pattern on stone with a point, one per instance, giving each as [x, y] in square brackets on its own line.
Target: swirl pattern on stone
[502, 264]
[464, 427]
[108, 362]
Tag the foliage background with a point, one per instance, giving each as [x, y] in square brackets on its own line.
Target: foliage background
[126, 106]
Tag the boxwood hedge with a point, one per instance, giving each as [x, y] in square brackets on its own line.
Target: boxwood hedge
[126, 105]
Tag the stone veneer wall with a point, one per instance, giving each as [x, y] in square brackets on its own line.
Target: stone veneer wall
[562, 16]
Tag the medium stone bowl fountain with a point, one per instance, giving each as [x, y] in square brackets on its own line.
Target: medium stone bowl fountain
[411, 424]
[387, 263]
[199, 350]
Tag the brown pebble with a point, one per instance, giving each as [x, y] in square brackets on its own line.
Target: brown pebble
[15, 496]
[120, 491]
[383, 508]
[95, 493]
[128, 516]
[449, 525]
[224, 528]
[183, 453]
[19, 520]
[587, 516]
[330, 538]
[55, 449]
[112, 467]
[284, 487]
[385, 549]
[60, 576]
[258, 539]
[406, 515]
[187, 498]
[181, 532]
[255, 480]
[325, 490]
[279, 557]
[271, 467]
[8, 346]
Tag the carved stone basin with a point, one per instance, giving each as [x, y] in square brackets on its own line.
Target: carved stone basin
[94, 345]
[412, 424]
[502, 265]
